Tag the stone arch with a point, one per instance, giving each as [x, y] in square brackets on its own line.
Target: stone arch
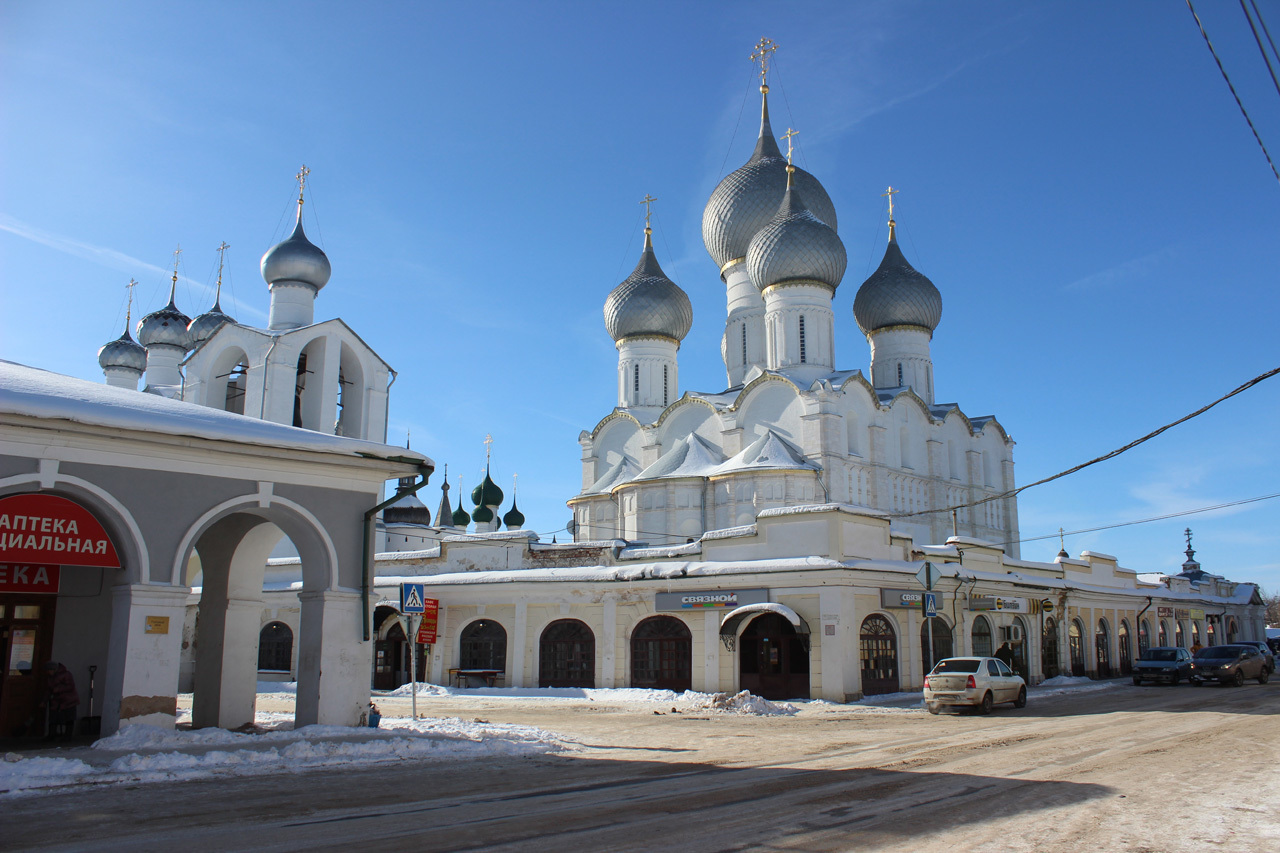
[352, 420]
[775, 405]
[227, 380]
[116, 519]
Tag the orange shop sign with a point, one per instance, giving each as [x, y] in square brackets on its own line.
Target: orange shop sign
[50, 530]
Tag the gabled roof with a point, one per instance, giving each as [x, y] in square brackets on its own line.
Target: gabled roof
[621, 472]
[283, 333]
[691, 457]
[769, 451]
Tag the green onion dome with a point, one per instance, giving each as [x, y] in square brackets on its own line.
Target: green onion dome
[486, 494]
[514, 519]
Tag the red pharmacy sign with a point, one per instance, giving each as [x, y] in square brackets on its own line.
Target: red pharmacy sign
[40, 529]
[16, 577]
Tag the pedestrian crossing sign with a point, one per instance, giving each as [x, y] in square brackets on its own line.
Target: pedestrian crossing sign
[412, 598]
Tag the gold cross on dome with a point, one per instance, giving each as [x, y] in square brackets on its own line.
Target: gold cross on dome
[764, 48]
[222, 254]
[787, 136]
[488, 446]
[1062, 542]
[891, 192]
[177, 253]
[302, 180]
[647, 201]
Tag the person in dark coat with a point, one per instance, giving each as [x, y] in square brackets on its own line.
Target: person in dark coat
[1005, 655]
[62, 699]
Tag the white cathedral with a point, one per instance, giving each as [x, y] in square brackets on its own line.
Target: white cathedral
[790, 429]
[320, 376]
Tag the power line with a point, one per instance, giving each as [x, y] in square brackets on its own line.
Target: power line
[1270, 69]
[1147, 520]
[1012, 492]
[1239, 103]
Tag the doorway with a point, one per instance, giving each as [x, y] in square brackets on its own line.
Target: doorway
[773, 659]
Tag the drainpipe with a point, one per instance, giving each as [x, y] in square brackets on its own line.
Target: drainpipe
[266, 372]
[424, 469]
[386, 414]
[1138, 620]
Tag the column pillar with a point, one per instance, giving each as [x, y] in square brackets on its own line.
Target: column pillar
[227, 664]
[711, 662]
[333, 660]
[140, 684]
[609, 642]
[518, 646]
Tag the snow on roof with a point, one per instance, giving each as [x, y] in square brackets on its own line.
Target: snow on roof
[622, 471]
[40, 393]
[769, 451]
[598, 574]
[691, 457]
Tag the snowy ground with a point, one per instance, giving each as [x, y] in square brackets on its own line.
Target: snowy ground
[142, 754]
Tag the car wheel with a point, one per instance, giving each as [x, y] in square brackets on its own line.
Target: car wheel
[1021, 701]
[1263, 676]
[1137, 682]
[1176, 678]
[933, 707]
[987, 703]
[1238, 681]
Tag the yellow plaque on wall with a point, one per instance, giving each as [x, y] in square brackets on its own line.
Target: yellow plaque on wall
[157, 625]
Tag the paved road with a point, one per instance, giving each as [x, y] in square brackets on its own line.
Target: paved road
[1122, 769]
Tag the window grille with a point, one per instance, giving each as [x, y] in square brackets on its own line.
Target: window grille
[802, 352]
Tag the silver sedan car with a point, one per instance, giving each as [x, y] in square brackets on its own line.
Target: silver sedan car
[977, 682]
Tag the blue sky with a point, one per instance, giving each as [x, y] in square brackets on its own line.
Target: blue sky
[1075, 177]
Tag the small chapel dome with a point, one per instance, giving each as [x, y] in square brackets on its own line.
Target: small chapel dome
[296, 259]
[514, 519]
[123, 352]
[796, 246]
[165, 326]
[647, 302]
[747, 199]
[897, 295]
[203, 327]
[460, 517]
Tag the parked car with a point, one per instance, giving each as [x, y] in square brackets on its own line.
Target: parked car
[977, 682]
[1163, 663]
[1267, 654]
[1229, 665]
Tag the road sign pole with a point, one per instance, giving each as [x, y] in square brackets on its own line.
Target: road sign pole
[413, 662]
[927, 621]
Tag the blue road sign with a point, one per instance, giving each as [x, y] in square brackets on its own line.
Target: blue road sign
[412, 598]
[930, 605]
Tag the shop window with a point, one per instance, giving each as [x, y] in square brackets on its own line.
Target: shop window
[483, 645]
[981, 637]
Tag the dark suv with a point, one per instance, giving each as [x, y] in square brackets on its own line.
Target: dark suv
[1229, 665]
[1163, 663]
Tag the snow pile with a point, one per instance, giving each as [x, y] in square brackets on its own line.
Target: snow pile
[1061, 684]
[278, 687]
[22, 774]
[152, 754]
[740, 703]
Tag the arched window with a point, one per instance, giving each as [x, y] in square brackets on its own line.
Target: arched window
[1017, 636]
[567, 655]
[1232, 629]
[664, 386]
[802, 351]
[1195, 633]
[1177, 633]
[981, 637]
[1075, 644]
[635, 380]
[275, 648]
[1163, 634]
[483, 645]
[878, 650]
[1049, 649]
[941, 641]
[1210, 633]
[662, 654]
[899, 374]
[1126, 650]
[1102, 648]
[744, 344]
[1144, 637]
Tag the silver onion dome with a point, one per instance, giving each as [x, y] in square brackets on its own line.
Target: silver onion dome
[203, 327]
[167, 326]
[123, 352]
[297, 259]
[897, 295]
[747, 199]
[647, 302]
[796, 247]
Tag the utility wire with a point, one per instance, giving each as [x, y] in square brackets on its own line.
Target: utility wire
[1234, 94]
[1267, 59]
[1146, 520]
[1012, 492]
[1265, 30]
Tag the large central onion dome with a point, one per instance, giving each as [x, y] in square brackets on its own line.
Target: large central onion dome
[487, 493]
[296, 259]
[796, 247]
[123, 352]
[897, 295]
[168, 326]
[647, 302]
[747, 199]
